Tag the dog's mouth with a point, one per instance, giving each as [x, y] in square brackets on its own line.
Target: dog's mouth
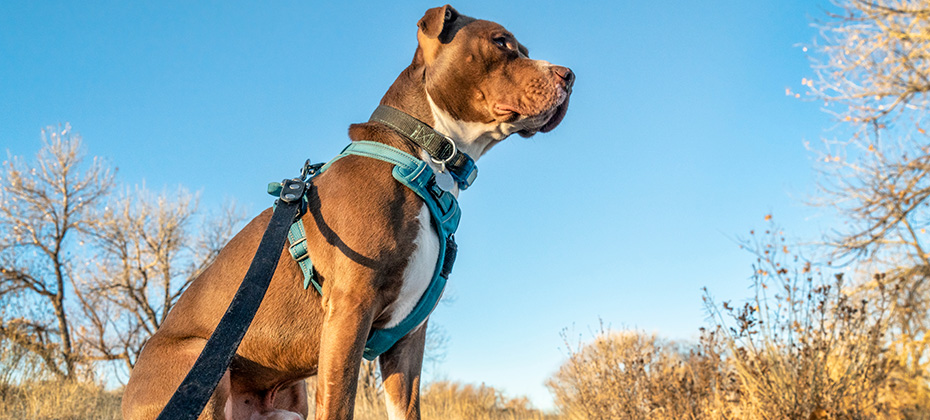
[556, 116]
[543, 122]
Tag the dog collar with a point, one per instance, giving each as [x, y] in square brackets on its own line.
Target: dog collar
[440, 148]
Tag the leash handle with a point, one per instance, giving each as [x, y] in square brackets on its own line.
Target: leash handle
[194, 392]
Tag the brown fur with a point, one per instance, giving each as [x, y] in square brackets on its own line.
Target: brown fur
[360, 227]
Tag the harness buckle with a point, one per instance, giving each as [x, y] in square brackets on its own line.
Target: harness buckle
[299, 254]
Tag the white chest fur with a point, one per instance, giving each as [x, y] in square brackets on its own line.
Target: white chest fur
[419, 271]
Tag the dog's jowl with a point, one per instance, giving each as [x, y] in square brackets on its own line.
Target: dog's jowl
[378, 232]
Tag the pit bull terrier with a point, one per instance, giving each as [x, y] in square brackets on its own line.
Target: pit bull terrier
[370, 238]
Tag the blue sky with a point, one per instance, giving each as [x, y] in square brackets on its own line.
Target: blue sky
[679, 138]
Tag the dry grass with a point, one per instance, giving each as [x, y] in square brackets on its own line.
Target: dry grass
[630, 375]
[454, 401]
[442, 400]
[56, 400]
[52, 400]
[806, 346]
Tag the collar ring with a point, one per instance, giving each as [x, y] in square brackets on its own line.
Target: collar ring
[443, 161]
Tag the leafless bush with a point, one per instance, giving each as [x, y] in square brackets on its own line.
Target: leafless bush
[806, 345]
[632, 375]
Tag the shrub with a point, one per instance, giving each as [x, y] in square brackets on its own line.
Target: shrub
[632, 375]
[806, 346]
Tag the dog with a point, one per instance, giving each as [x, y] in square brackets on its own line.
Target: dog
[370, 239]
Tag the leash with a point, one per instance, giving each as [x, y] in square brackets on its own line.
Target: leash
[194, 392]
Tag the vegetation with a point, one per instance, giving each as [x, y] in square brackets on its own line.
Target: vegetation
[805, 346]
[58, 400]
[456, 401]
[87, 274]
[843, 335]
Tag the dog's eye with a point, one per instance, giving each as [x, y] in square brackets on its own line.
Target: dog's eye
[501, 42]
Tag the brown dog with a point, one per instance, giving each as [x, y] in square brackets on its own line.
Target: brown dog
[370, 240]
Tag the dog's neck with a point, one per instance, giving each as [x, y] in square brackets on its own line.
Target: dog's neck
[409, 94]
[472, 138]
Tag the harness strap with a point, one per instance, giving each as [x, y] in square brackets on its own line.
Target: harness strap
[445, 214]
[440, 147]
[375, 150]
[298, 249]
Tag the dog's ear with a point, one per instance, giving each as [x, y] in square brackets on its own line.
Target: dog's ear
[438, 20]
[436, 27]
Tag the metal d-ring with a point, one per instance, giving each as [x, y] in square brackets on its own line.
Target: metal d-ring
[442, 162]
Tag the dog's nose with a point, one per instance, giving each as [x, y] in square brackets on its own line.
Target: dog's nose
[566, 74]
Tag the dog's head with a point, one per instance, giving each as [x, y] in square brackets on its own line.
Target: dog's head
[481, 83]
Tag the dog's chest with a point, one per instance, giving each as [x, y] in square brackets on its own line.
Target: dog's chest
[419, 271]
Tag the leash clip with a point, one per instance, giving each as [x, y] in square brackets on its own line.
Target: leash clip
[310, 170]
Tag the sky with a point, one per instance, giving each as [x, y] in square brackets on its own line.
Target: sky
[680, 138]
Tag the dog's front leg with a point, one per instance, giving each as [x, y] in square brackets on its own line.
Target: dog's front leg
[400, 370]
[346, 323]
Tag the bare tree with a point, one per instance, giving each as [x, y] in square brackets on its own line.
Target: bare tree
[151, 247]
[85, 279]
[873, 72]
[45, 207]
[875, 59]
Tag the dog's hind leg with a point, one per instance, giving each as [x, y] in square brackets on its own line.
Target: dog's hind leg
[155, 379]
[400, 370]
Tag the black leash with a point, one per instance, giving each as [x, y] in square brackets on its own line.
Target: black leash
[194, 392]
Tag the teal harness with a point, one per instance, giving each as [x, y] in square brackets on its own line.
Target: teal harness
[443, 207]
